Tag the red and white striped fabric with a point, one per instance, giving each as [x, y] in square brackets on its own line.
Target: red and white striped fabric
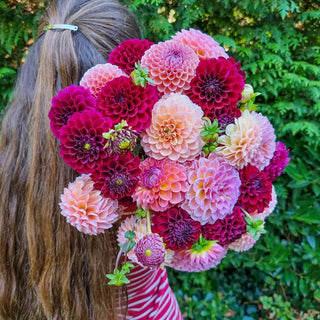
[150, 296]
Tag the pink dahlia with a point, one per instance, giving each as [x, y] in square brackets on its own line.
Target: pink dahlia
[244, 243]
[177, 229]
[226, 230]
[213, 191]
[86, 209]
[250, 140]
[255, 190]
[171, 65]
[120, 99]
[217, 85]
[82, 143]
[70, 100]
[199, 257]
[117, 176]
[269, 209]
[175, 129]
[96, 77]
[127, 53]
[202, 44]
[278, 162]
[162, 184]
[150, 251]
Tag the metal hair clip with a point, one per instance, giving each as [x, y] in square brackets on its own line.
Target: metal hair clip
[60, 27]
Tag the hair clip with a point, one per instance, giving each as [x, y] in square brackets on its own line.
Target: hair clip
[60, 27]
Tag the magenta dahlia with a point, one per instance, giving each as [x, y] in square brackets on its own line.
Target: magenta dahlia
[127, 53]
[117, 176]
[226, 230]
[177, 229]
[68, 101]
[82, 143]
[120, 99]
[255, 190]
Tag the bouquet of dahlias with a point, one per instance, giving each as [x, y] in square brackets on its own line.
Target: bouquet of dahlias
[167, 139]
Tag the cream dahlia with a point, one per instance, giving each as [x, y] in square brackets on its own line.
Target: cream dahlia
[244, 243]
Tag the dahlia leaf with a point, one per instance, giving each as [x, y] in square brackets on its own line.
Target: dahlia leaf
[118, 278]
[127, 267]
[129, 235]
[141, 213]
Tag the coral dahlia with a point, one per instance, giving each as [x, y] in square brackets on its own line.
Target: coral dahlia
[244, 243]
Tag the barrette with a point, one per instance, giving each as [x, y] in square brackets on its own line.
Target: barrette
[60, 27]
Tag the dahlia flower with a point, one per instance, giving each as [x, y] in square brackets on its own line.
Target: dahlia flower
[250, 140]
[128, 52]
[269, 209]
[244, 243]
[171, 65]
[96, 77]
[202, 44]
[85, 208]
[82, 143]
[213, 191]
[162, 184]
[177, 229]
[68, 101]
[175, 129]
[120, 99]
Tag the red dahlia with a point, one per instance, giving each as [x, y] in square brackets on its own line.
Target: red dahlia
[217, 85]
[82, 143]
[120, 99]
[226, 230]
[255, 190]
[127, 53]
[117, 177]
[178, 230]
[68, 101]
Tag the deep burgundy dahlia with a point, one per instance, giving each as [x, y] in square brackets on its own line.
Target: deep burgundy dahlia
[117, 177]
[68, 101]
[120, 99]
[127, 53]
[178, 230]
[217, 85]
[82, 143]
[226, 230]
[255, 190]
[279, 161]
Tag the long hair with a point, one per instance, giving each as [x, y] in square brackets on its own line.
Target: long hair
[49, 270]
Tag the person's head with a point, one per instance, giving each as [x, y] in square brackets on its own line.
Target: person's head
[47, 268]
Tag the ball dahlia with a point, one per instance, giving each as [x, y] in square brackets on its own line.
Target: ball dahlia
[85, 208]
[175, 129]
[96, 77]
[269, 209]
[120, 99]
[250, 140]
[244, 243]
[171, 65]
[68, 101]
[213, 191]
[202, 44]
[82, 143]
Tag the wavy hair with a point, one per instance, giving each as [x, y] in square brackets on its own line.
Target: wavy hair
[49, 270]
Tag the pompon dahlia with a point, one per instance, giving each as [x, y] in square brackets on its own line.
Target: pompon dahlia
[226, 230]
[117, 176]
[177, 229]
[150, 251]
[138, 226]
[171, 65]
[120, 99]
[82, 143]
[244, 243]
[162, 184]
[127, 53]
[255, 190]
[68, 101]
[199, 258]
[202, 44]
[269, 209]
[278, 162]
[175, 129]
[250, 140]
[213, 191]
[86, 209]
[96, 77]
[217, 85]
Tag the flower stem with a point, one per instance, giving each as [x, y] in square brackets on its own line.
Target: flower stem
[149, 221]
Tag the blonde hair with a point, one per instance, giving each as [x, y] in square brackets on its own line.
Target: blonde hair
[47, 268]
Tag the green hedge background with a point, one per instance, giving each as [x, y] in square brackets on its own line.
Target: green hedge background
[278, 44]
